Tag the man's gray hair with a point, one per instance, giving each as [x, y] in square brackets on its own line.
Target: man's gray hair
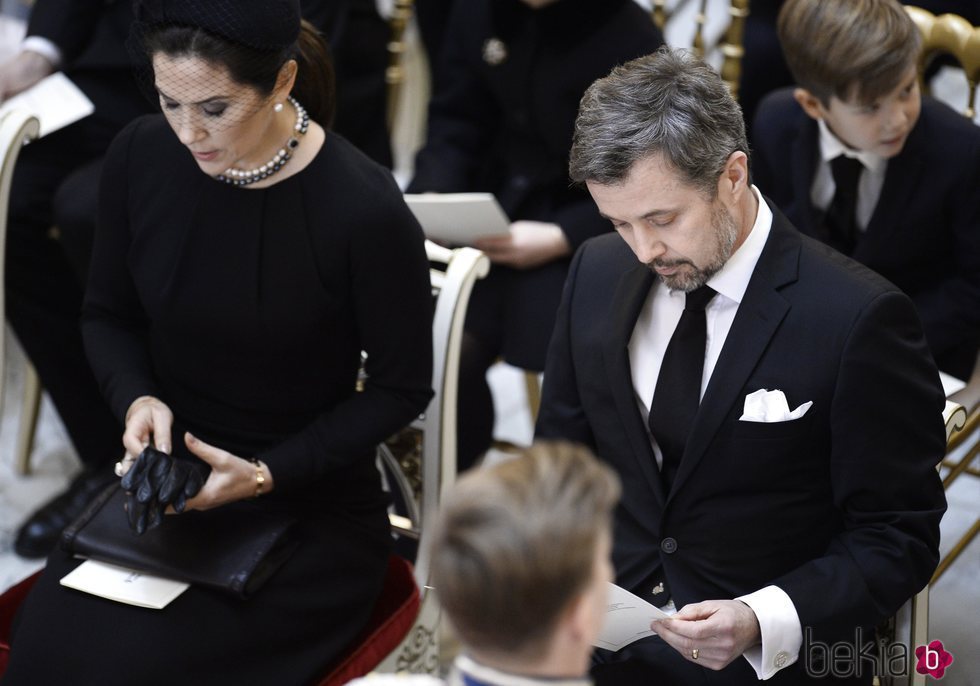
[669, 102]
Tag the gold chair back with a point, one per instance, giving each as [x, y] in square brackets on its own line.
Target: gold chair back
[950, 34]
[395, 73]
[731, 44]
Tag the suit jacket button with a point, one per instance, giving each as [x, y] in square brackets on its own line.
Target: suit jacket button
[668, 545]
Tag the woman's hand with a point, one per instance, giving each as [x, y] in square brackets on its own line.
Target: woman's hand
[231, 478]
[21, 72]
[529, 244]
[147, 418]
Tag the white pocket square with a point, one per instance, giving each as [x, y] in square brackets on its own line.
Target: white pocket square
[770, 406]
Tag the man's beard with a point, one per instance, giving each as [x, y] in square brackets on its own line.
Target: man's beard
[690, 277]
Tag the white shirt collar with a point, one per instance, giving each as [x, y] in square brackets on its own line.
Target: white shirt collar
[489, 675]
[733, 278]
[831, 147]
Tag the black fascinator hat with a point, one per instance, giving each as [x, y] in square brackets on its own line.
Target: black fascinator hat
[250, 39]
[258, 24]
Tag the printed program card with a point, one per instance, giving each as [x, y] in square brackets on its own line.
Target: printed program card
[54, 100]
[123, 585]
[628, 619]
[458, 218]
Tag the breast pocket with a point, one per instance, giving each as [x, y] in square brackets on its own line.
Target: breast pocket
[763, 431]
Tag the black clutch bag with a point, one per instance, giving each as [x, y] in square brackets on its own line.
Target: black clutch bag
[234, 548]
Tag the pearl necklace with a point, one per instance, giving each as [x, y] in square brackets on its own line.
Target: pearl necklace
[244, 177]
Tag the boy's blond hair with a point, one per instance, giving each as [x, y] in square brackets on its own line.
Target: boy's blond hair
[516, 544]
[854, 50]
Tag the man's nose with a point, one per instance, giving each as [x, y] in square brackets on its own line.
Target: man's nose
[649, 247]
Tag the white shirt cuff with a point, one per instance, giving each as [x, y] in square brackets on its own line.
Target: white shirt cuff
[43, 47]
[779, 624]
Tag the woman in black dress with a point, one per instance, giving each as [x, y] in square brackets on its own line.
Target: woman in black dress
[225, 319]
[508, 83]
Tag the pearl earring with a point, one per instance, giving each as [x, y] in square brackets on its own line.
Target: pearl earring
[277, 107]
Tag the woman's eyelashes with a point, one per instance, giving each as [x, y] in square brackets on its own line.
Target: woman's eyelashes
[211, 109]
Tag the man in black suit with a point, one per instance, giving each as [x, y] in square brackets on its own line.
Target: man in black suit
[916, 215]
[778, 446]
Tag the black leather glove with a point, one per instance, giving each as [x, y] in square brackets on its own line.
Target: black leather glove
[139, 482]
[183, 481]
[156, 481]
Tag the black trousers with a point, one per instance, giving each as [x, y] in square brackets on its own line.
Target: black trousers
[43, 286]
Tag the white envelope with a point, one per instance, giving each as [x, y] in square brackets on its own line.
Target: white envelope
[770, 406]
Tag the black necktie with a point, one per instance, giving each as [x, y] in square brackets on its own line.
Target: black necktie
[678, 392]
[840, 220]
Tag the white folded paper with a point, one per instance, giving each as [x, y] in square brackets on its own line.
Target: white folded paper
[950, 383]
[770, 406]
[123, 585]
[458, 218]
[55, 100]
[628, 619]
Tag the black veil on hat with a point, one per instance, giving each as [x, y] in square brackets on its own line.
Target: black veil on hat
[259, 24]
[223, 52]
[264, 31]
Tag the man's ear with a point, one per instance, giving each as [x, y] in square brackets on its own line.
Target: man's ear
[734, 180]
[810, 103]
[576, 617]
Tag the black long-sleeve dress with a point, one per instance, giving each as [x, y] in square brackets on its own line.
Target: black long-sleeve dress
[246, 311]
[507, 90]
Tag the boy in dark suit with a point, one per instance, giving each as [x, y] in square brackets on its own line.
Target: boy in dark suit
[858, 159]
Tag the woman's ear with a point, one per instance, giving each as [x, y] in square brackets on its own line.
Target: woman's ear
[285, 80]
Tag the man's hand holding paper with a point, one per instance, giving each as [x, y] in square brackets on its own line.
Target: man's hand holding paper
[713, 633]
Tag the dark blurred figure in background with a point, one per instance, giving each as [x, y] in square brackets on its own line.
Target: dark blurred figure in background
[55, 185]
[432, 17]
[763, 66]
[358, 39]
[507, 90]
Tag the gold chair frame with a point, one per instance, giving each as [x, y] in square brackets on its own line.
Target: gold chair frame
[962, 450]
[950, 34]
[17, 128]
[731, 45]
[395, 73]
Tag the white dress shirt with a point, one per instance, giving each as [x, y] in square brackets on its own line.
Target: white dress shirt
[869, 183]
[43, 47]
[779, 622]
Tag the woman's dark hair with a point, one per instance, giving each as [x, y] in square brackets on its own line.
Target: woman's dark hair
[314, 87]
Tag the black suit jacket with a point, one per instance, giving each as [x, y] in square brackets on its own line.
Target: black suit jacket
[92, 36]
[839, 508]
[924, 234]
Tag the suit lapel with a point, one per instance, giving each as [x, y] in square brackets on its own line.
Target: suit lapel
[631, 293]
[805, 150]
[759, 315]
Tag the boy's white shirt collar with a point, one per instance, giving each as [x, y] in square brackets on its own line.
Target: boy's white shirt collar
[831, 147]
